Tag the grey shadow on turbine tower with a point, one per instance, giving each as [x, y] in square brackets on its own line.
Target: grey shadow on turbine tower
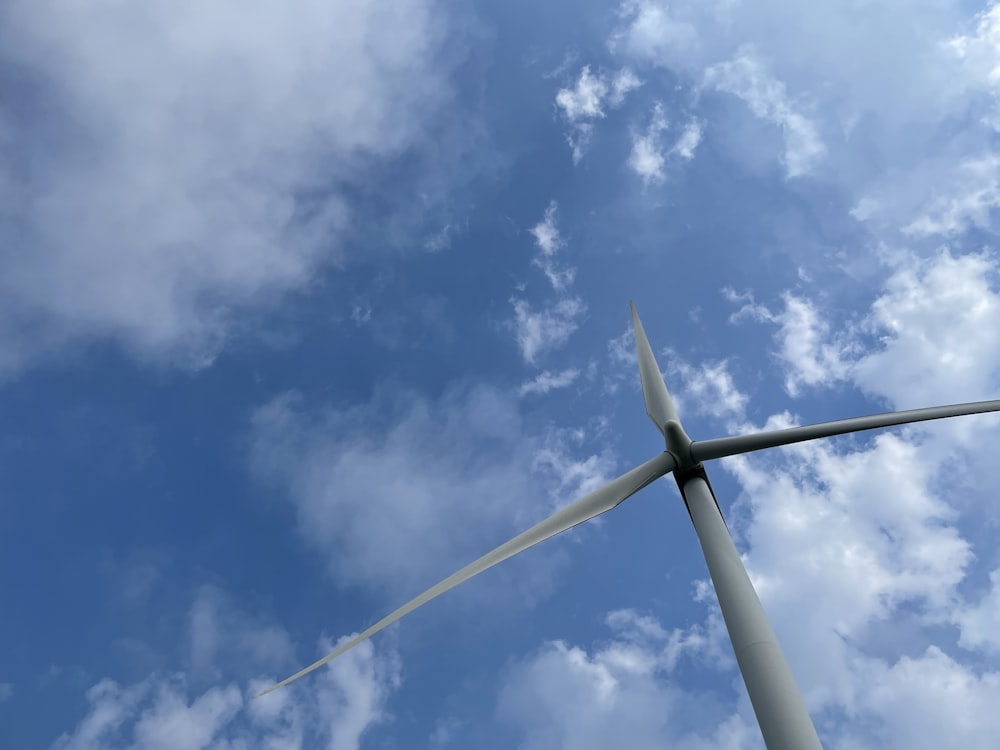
[777, 703]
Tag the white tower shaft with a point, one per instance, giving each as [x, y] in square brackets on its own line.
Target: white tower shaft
[776, 700]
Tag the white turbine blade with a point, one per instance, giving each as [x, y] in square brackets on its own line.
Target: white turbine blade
[659, 405]
[703, 450]
[591, 505]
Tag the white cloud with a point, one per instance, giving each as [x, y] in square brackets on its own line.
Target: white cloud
[937, 321]
[547, 381]
[621, 359]
[400, 492]
[979, 51]
[621, 349]
[540, 331]
[615, 695]
[961, 199]
[546, 233]
[929, 701]
[857, 553]
[361, 313]
[856, 558]
[557, 457]
[688, 140]
[745, 77]
[549, 241]
[220, 634]
[169, 193]
[341, 703]
[709, 387]
[934, 320]
[900, 93]
[978, 622]
[443, 238]
[586, 100]
[6, 691]
[811, 355]
[653, 32]
[646, 158]
[444, 732]
[333, 708]
[623, 82]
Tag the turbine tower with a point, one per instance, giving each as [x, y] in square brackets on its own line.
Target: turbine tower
[781, 712]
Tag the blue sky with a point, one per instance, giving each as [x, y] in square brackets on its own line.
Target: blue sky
[305, 305]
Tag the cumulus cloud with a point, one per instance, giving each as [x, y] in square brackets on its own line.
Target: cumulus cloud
[934, 324]
[182, 174]
[334, 709]
[855, 548]
[343, 701]
[618, 693]
[857, 558]
[585, 102]
[937, 320]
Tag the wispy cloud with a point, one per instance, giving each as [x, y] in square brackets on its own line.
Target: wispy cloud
[745, 77]
[964, 199]
[549, 242]
[538, 331]
[546, 233]
[380, 489]
[688, 141]
[646, 158]
[547, 381]
[586, 101]
[810, 355]
[221, 634]
[708, 387]
[649, 156]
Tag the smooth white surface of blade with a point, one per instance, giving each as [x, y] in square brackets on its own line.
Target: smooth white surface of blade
[659, 405]
[704, 450]
[594, 504]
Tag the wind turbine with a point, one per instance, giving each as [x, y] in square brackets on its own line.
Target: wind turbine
[777, 703]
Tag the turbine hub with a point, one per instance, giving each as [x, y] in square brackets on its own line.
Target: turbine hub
[678, 443]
